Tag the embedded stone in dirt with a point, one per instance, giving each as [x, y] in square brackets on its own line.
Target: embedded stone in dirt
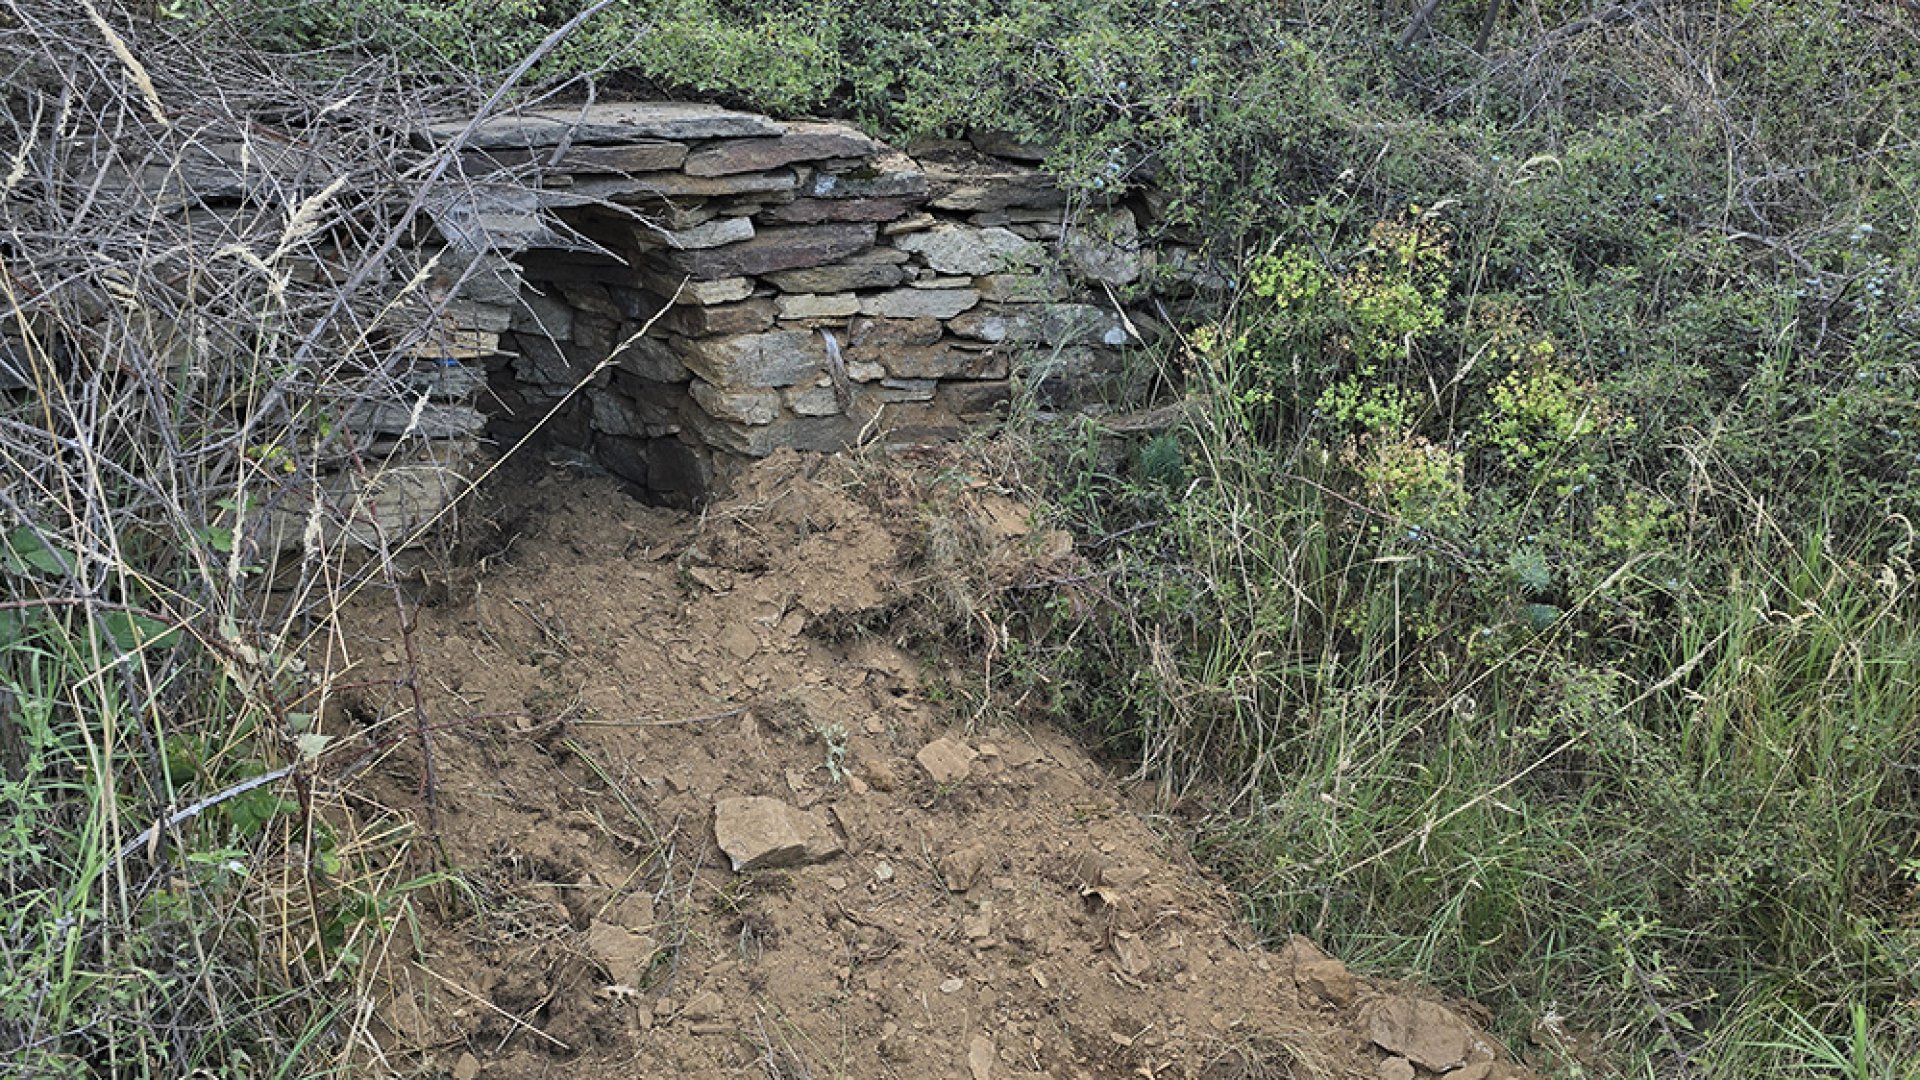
[1396, 1068]
[758, 833]
[980, 1057]
[1430, 1035]
[624, 954]
[1328, 980]
[946, 761]
[961, 870]
[705, 1005]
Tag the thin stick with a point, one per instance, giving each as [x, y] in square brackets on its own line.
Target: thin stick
[708, 719]
[151, 833]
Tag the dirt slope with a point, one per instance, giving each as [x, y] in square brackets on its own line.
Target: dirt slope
[947, 898]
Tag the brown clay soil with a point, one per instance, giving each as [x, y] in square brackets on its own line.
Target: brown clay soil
[949, 895]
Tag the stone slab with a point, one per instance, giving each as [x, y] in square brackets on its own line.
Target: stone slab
[423, 418]
[595, 333]
[919, 303]
[215, 172]
[817, 305]
[758, 833]
[1042, 324]
[490, 218]
[963, 179]
[906, 391]
[1002, 144]
[802, 142]
[645, 188]
[961, 249]
[694, 320]
[941, 362]
[541, 314]
[816, 433]
[883, 333]
[454, 343]
[812, 400]
[947, 761]
[1428, 1034]
[1105, 247]
[890, 176]
[620, 122]
[466, 315]
[683, 290]
[635, 157]
[1029, 288]
[450, 381]
[751, 407]
[768, 360]
[712, 233]
[790, 247]
[815, 211]
[488, 278]
[916, 223]
[638, 415]
[870, 270]
[648, 357]
[975, 399]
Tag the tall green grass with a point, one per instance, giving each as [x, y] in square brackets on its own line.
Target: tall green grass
[1684, 826]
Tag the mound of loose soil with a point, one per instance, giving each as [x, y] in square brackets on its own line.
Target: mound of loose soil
[710, 821]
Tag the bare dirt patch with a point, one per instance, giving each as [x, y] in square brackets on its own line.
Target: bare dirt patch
[627, 703]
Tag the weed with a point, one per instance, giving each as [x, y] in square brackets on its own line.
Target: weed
[833, 737]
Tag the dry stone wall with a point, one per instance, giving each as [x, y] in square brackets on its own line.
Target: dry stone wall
[669, 288]
[682, 285]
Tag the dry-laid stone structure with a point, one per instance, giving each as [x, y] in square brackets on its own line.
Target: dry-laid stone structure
[671, 287]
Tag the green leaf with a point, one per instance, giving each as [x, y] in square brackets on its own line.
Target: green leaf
[24, 550]
[1540, 617]
[251, 812]
[130, 632]
[14, 627]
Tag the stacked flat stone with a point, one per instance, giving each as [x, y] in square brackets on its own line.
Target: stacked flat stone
[727, 284]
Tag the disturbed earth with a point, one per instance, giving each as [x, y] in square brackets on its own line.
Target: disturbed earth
[710, 813]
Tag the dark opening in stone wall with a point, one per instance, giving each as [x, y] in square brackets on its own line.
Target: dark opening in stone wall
[674, 288]
[577, 361]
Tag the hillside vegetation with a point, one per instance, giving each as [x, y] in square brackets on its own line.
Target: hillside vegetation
[1528, 599]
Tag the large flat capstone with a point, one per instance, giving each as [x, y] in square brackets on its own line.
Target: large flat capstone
[613, 123]
[802, 142]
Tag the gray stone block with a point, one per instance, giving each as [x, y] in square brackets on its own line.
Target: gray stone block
[746, 361]
[962, 249]
[751, 407]
[789, 247]
[919, 303]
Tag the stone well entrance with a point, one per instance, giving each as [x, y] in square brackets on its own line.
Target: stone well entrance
[674, 287]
